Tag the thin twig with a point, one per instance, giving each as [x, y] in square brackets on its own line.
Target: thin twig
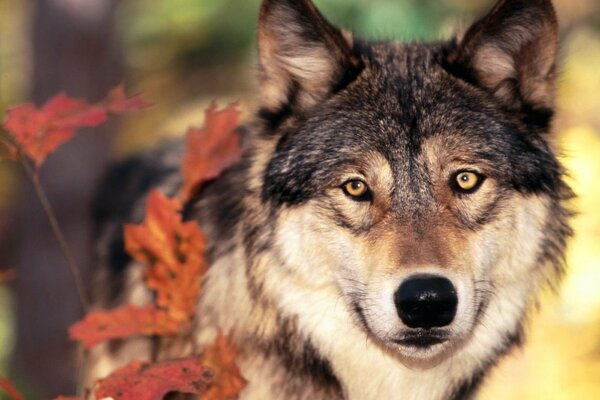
[73, 267]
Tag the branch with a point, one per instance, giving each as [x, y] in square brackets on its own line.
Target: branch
[73, 267]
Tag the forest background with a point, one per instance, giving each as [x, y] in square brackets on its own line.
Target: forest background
[182, 54]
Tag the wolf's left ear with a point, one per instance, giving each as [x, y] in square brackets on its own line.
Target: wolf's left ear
[511, 52]
[303, 58]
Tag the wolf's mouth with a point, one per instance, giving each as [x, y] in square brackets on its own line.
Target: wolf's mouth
[421, 340]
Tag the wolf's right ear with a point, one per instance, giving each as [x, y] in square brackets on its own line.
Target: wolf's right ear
[303, 58]
[511, 52]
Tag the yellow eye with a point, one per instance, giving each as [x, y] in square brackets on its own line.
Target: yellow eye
[355, 188]
[467, 180]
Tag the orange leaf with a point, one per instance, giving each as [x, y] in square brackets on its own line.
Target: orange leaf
[7, 387]
[174, 249]
[155, 240]
[118, 103]
[142, 381]
[210, 150]
[99, 326]
[228, 382]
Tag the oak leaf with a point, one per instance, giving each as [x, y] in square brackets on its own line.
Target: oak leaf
[143, 381]
[99, 326]
[155, 240]
[174, 251]
[210, 150]
[7, 387]
[228, 381]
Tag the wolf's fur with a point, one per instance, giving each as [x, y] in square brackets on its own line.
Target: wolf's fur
[303, 275]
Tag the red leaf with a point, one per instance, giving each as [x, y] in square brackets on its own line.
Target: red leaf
[7, 387]
[211, 149]
[174, 249]
[118, 103]
[142, 381]
[39, 132]
[99, 326]
[63, 112]
[228, 381]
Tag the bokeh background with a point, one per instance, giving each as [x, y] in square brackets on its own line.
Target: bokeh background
[182, 54]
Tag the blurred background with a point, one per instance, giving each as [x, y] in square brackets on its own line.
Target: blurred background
[182, 54]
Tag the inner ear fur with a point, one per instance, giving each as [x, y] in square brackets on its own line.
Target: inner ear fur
[511, 52]
[303, 58]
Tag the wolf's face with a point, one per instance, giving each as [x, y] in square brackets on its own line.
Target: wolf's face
[411, 179]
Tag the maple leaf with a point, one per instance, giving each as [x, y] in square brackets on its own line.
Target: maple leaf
[38, 132]
[143, 381]
[99, 326]
[228, 381]
[174, 249]
[7, 387]
[210, 150]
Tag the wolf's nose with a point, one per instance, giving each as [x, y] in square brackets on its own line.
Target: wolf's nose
[426, 301]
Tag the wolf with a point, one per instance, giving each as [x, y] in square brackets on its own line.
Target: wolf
[397, 212]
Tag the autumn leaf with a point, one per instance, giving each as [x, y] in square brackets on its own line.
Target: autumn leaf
[228, 381]
[210, 150]
[38, 132]
[7, 387]
[143, 381]
[155, 240]
[99, 326]
[174, 250]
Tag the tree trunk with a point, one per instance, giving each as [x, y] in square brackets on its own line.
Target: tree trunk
[74, 50]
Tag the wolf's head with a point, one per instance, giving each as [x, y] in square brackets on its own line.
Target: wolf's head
[413, 182]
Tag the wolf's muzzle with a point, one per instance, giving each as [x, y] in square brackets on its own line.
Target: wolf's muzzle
[426, 301]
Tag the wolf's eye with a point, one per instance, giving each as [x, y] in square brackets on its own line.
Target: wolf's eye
[467, 181]
[356, 189]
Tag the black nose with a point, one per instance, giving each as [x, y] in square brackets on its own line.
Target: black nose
[426, 301]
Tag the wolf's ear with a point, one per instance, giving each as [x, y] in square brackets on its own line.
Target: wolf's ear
[303, 58]
[512, 53]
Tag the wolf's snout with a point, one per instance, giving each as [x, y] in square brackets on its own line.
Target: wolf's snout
[426, 301]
